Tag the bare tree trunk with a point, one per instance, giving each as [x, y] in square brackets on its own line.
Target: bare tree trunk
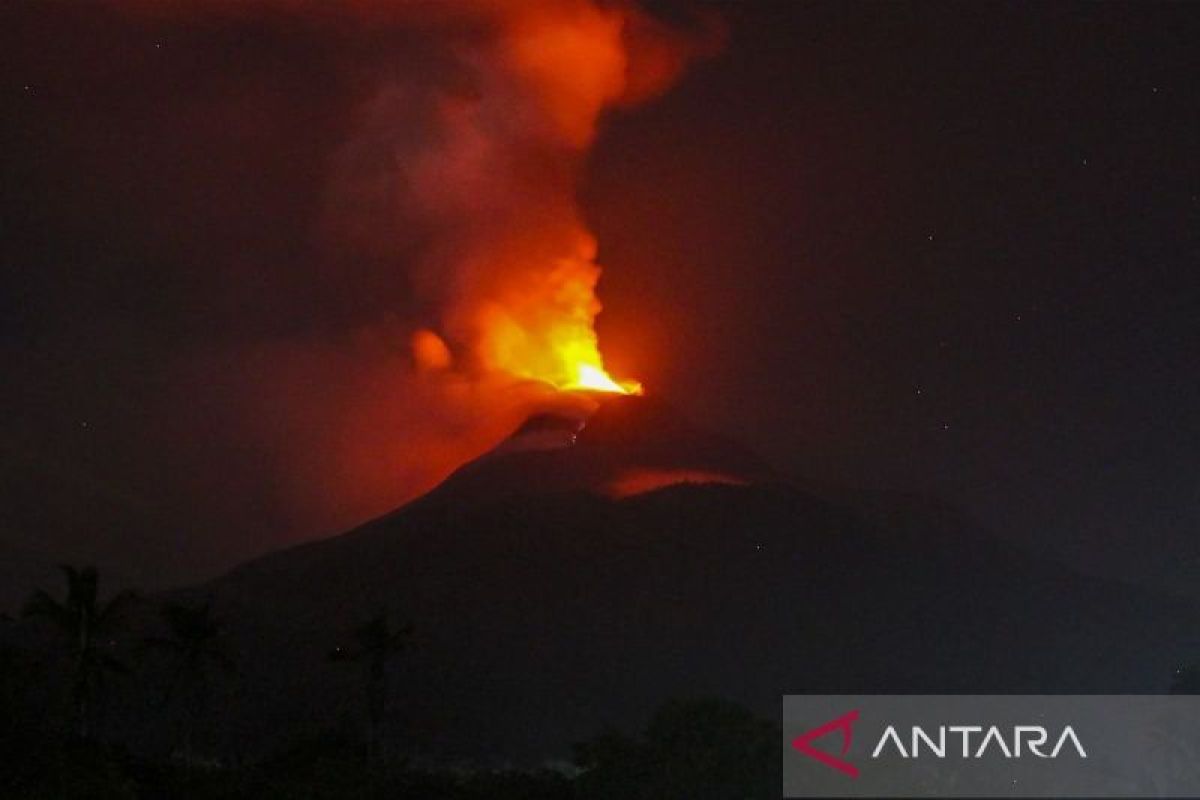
[81, 677]
[376, 697]
[80, 698]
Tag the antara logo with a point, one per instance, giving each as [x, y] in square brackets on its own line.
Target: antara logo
[1022, 740]
[1033, 737]
[845, 725]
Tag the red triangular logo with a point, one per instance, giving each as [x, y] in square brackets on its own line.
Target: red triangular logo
[844, 723]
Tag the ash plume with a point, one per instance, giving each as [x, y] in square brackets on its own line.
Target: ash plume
[441, 282]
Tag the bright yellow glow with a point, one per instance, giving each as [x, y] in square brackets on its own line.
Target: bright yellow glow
[542, 327]
[595, 379]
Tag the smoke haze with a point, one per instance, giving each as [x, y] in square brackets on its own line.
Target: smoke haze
[339, 251]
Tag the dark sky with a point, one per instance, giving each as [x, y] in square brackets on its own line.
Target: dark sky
[951, 249]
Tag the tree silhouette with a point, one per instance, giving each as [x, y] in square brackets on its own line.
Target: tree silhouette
[373, 645]
[194, 646]
[13, 670]
[85, 624]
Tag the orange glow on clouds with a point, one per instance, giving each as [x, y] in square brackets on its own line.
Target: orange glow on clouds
[543, 330]
[524, 299]
[453, 191]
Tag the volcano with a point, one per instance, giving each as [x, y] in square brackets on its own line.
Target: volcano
[628, 444]
[593, 566]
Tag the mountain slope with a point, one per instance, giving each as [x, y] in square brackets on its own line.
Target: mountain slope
[547, 606]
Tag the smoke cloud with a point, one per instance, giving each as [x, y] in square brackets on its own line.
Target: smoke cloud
[359, 250]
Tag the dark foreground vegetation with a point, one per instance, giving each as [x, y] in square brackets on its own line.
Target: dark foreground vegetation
[701, 749]
[59, 666]
[117, 696]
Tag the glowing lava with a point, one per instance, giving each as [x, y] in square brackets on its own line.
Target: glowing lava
[595, 379]
[640, 481]
[542, 328]
[513, 281]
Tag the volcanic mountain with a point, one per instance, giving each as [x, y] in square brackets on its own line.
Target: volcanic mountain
[627, 445]
[591, 568]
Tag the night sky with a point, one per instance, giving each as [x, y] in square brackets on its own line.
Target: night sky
[948, 249]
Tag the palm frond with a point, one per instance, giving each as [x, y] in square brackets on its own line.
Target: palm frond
[41, 605]
[117, 605]
[83, 586]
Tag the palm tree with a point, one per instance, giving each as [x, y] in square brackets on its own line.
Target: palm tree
[374, 644]
[85, 623]
[11, 673]
[193, 643]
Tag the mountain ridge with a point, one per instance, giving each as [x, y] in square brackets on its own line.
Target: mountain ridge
[546, 608]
